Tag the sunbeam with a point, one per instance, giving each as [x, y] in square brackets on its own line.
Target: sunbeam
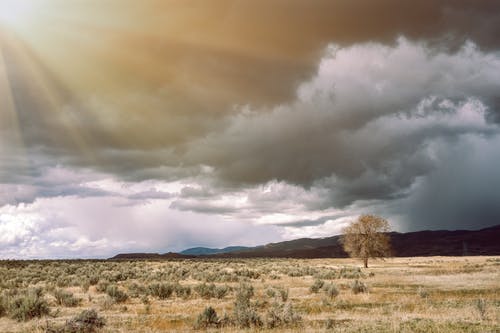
[8, 118]
[15, 13]
[11, 138]
[30, 83]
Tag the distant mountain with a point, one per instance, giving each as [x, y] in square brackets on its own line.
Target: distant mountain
[447, 243]
[412, 244]
[169, 255]
[205, 250]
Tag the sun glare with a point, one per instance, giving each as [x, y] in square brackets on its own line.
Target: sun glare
[16, 12]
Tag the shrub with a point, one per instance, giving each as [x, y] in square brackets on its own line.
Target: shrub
[331, 290]
[221, 291]
[245, 316]
[85, 285]
[248, 273]
[422, 292]
[208, 291]
[161, 290]
[317, 285]
[63, 281]
[182, 291]
[208, 318]
[93, 280]
[300, 271]
[136, 290]
[244, 313]
[350, 273]
[107, 303]
[278, 291]
[102, 286]
[271, 292]
[281, 314]
[283, 294]
[359, 287]
[3, 306]
[326, 274]
[145, 300]
[205, 290]
[116, 294]
[330, 323]
[481, 308]
[65, 298]
[28, 306]
[88, 321]
[244, 293]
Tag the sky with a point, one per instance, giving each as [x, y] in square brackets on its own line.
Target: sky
[159, 125]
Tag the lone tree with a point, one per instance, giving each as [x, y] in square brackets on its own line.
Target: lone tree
[366, 238]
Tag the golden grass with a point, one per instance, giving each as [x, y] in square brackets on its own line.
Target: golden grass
[434, 294]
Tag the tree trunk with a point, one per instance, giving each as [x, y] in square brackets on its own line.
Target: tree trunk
[365, 260]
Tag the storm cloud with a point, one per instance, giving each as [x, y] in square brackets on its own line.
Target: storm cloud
[235, 118]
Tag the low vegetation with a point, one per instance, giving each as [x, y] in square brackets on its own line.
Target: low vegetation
[88, 321]
[436, 294]
[28, 305]
[66, 298]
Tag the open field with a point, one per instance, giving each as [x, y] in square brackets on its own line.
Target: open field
[431, 294]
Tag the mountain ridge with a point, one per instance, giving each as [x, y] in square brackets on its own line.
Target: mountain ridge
[418, 243]
[207, 250]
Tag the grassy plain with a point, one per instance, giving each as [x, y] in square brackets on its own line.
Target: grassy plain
[431, 294]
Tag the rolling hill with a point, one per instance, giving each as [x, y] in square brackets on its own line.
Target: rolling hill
[205, 250]
[421, 243]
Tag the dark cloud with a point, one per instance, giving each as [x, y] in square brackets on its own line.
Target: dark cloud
[151, 194]
[376, 143]
[177, 68]
[49, 182]
[462, 192]
[203, 207]
[197, 192]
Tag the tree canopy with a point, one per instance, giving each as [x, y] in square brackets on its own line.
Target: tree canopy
[367, 238]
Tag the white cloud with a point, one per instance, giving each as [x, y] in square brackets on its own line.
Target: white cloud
[329, 228]
[122, 217]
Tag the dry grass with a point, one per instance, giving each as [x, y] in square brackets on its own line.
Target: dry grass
[435, 294]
